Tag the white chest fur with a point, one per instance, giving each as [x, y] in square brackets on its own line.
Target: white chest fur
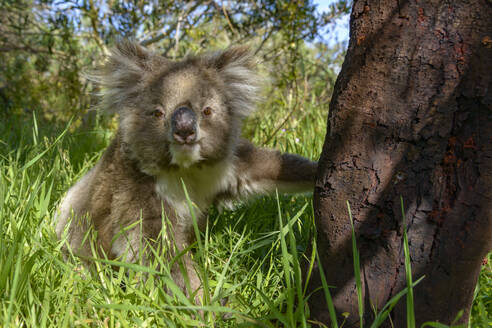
[202, 184]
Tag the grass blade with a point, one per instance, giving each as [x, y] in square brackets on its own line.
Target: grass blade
[381, 317]
[408, 272]
[297, 276]
[37, 157]
[358, 282]
[326, 290]
[286, 267]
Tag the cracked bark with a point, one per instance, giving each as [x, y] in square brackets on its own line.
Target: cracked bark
[411, 115]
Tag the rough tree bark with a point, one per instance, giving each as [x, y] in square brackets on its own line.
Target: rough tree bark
[411, 116]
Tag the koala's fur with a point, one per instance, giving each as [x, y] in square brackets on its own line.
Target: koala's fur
[139, 175]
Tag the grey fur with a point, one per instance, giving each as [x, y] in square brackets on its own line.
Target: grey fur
[140, 173]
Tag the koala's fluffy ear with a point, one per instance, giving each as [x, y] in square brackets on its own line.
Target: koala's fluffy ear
[236, 66]
[119, 78]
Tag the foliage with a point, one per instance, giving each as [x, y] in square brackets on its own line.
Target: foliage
[46, 45]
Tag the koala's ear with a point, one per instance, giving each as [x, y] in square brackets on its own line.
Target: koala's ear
[234, 56]
[236, 66]
[130, 54]
[119, 78]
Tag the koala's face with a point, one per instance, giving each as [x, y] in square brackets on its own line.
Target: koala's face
[179, 114]
[180, 119]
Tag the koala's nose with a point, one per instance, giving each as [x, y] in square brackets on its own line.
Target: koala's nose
[183, 124]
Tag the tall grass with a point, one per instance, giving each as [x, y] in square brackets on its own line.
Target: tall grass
[248, 259]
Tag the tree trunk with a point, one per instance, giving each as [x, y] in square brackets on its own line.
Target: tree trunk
[411, 116]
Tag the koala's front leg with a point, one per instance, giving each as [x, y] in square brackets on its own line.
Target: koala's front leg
[140, 244]
[183, 267]
[261, 170]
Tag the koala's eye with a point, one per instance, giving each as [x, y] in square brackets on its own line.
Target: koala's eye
[207, 111]
[157, 113]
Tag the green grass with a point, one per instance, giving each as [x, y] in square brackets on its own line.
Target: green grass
[249, 258]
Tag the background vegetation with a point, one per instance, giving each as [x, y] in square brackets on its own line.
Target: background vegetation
[49, 139]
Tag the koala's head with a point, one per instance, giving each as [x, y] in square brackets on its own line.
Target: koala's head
[178, 114]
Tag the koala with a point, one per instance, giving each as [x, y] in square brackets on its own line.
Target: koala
[179, 123]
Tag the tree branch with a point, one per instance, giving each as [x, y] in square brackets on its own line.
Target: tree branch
[189, 9]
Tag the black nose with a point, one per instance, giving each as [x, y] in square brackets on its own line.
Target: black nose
[183, 125]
